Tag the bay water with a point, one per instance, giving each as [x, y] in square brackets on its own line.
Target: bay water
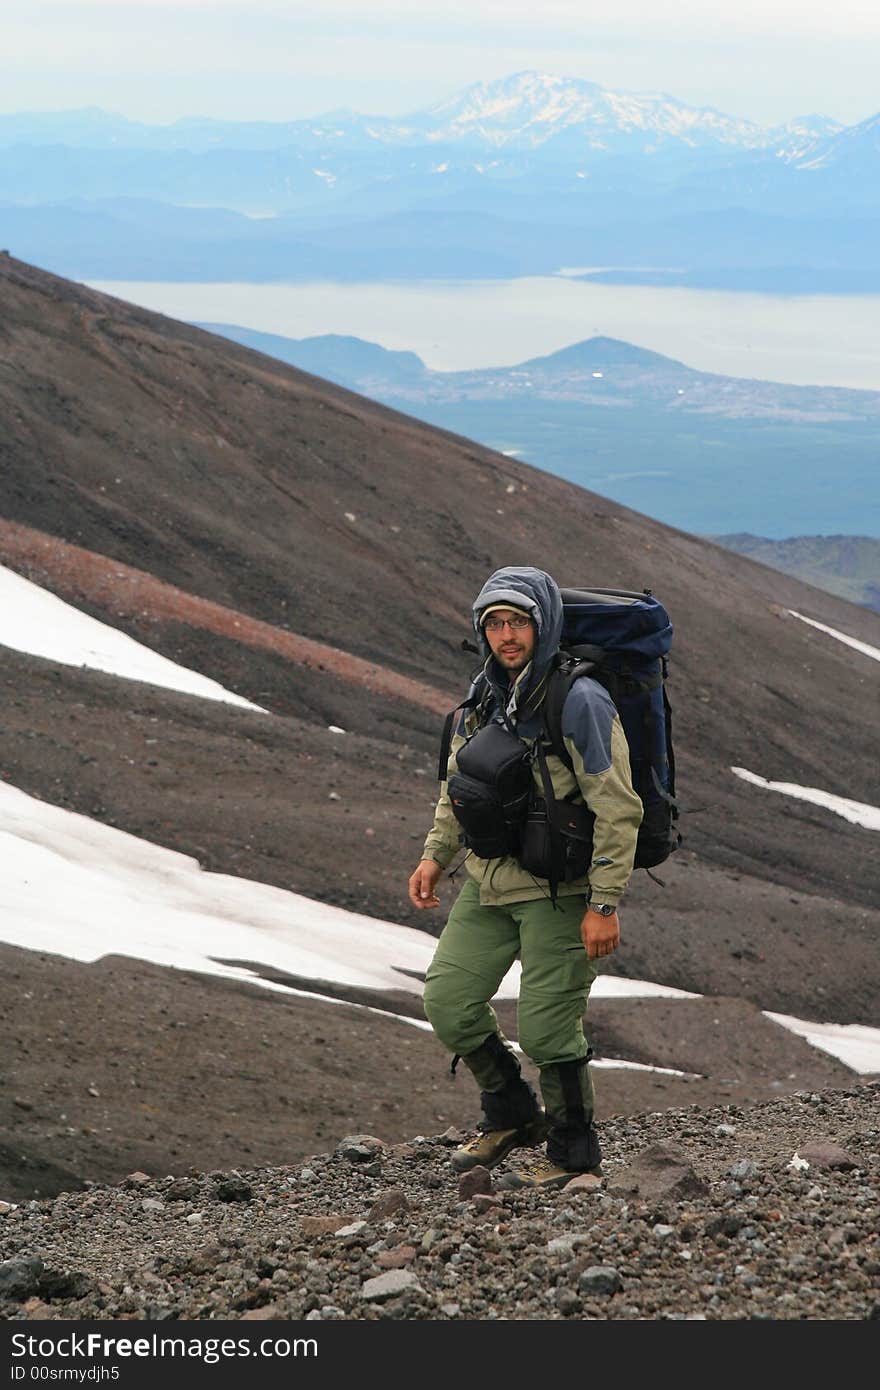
[831, 340]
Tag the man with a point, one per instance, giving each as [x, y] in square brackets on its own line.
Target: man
[503, 912]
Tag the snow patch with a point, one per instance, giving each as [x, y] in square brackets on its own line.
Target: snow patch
[35, 621]
[856, 812]
[76, 888]
[853, 1044]
[841, 636]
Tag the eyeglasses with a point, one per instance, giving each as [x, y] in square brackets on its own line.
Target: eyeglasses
[496, 624]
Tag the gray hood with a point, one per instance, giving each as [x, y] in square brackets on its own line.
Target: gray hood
[536, 593]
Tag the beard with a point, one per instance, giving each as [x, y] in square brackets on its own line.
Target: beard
[514, 663]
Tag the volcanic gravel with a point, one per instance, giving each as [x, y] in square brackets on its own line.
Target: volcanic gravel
[769, 1213]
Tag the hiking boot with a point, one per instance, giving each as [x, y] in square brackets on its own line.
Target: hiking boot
[490, 1146]
[543, 1174]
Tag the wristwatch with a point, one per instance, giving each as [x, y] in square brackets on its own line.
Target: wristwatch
[606, 909]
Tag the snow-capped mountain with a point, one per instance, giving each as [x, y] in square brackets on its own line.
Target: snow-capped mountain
[530, 109]
[791, 140]
[844, 149]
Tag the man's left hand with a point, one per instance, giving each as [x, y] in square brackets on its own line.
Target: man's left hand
[600, 935]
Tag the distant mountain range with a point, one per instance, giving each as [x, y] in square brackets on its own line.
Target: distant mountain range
[711, 454]
[526, 111]
[518, 176]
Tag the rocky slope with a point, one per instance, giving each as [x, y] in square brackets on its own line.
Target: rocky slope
[715, 1214]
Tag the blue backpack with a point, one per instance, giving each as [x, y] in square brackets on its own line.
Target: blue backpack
[621, 639]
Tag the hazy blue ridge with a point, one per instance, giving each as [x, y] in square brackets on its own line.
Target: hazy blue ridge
[707, 453]
[146, 239]
[336, 357]
[513, 177]
[848, 566]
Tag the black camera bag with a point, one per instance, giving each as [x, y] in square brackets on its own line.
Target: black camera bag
[490, 792]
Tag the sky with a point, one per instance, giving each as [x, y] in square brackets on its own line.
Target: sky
[158, 60]
[75, 887]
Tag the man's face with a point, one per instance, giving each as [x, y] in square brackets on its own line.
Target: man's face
[511, 645]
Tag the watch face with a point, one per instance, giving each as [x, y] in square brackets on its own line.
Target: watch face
[606, 909]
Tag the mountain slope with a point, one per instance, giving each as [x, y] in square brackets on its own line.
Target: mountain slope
[241, 481]
[221, 508]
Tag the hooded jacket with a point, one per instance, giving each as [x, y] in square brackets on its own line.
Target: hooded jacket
[593, 736]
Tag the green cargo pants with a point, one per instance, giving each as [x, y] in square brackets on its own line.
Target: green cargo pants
[476, 949]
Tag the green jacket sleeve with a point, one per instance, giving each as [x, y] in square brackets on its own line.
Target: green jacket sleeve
[442, 842]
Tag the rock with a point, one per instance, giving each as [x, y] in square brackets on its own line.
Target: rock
[6, 1207]
[452, 1137]
[360, 1148]
[475, 1180]
[152, 1204]
[485, 1216]
[354, 1228]
[256, 1297]
[486, 1201]
[387, 1203]
[267, 1313]
[565, 1245]
[389, 1285]
[743, 1168]
[404, 1151]
[583, 1183]
[725, 1224]
[205, 1259]
[321, 1225]
[58, 1284]
[567, 1301]
[659, 1172]
[232, 1189]
[603, 1279]
[182, 1190]
[824, 1154]
[20, 1279]
[450, 1310]
[725, 1131]
[137, 1179]
[397, 1258]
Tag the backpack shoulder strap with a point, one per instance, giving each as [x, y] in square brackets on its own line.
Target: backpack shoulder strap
[569, 668]
[473, 701]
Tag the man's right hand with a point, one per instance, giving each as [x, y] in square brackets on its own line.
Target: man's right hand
[423, 883]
